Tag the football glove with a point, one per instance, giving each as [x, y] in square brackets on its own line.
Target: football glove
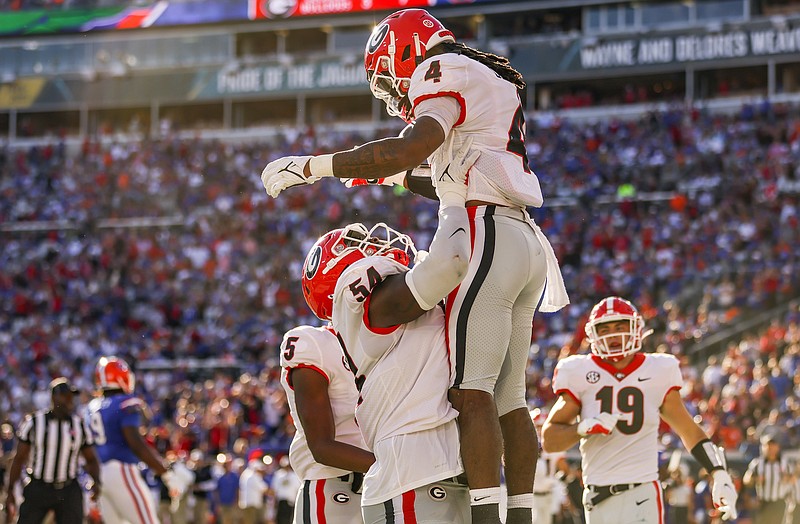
[723, 494]
[602, 424]
[288, 172]
[177, 479]
[451, 170]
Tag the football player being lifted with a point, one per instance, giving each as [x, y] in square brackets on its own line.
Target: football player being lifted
[393, 336]
[444, 89]
[611, 402]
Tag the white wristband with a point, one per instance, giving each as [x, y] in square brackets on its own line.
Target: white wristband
[321, 166]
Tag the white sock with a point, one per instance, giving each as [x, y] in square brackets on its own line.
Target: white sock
[524, 500]
[479, 497]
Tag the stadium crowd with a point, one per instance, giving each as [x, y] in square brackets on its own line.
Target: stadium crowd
[691, 215]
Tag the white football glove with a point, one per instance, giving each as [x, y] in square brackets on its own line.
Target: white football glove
[602, 424]
[723, 494]
[450, 170]
[288, 171]
[177, 479]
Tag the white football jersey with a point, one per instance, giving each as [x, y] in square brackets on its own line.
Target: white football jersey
[492, 114]
[403, 373]
[630, 452]
[319, 349]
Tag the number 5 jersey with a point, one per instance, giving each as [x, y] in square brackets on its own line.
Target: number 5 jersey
[630, 453]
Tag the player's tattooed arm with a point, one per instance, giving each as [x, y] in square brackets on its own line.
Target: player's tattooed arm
[385, 157]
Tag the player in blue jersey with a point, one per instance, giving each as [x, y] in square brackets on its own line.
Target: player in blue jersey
[115, 419]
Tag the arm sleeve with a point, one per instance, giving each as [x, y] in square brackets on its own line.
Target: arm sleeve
[131, 412]
[561, 379]
[446, 264]
[301, 349]
[444, 109]
[24, 433]
[88, 437]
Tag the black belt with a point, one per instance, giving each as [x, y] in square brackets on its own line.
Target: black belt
[601, 493]
[55, 485]
[355, 479]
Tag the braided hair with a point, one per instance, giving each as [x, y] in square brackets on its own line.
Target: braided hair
[496, 63]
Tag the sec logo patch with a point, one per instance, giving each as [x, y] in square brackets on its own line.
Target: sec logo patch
[592, 377]
[437, 493]
[341, 498]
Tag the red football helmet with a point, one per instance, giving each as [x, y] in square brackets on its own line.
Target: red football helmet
[613, 309]
[336, 250]
[114, 373]
[395, 48]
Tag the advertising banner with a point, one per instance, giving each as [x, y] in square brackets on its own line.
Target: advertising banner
[557, 56]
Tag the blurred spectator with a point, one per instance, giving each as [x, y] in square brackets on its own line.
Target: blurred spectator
[285, 485]
[252, 490]
[227, 493]
[204, 485]
[771, 476]
[679, 495]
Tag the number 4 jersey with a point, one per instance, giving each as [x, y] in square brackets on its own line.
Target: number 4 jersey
[630, 453]
[489, 110]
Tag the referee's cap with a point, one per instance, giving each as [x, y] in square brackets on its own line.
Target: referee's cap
[62, 385]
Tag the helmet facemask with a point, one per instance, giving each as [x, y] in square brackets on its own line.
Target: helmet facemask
[387, 86]
[380, 240]
[631, 338]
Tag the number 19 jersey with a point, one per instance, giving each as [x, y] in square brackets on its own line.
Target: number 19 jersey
[630, 453]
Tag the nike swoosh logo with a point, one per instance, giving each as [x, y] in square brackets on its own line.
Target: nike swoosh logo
[640, 379]
[640, 502]
[457, 230]
[478, 499]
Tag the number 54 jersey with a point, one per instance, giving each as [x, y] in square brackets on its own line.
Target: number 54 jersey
[630, 453]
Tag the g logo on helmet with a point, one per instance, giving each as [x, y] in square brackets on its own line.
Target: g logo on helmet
[341, 498]
[427, 23]
[279, 8]
[437, 493]
[378, 36]
[313, 262]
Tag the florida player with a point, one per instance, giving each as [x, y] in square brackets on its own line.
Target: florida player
[445, 89]
[617, 395]
[115, 419]
[394, 342]
[327, 451]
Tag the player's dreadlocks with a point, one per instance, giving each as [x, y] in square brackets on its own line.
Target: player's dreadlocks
[496, 63]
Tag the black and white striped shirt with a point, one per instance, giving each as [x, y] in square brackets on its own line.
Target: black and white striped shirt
[773, 486]
[55, 445]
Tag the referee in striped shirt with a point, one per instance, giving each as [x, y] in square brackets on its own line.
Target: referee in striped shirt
[50, 442]
[770, 475]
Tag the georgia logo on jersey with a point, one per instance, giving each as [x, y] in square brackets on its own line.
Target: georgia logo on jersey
[437, 493]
